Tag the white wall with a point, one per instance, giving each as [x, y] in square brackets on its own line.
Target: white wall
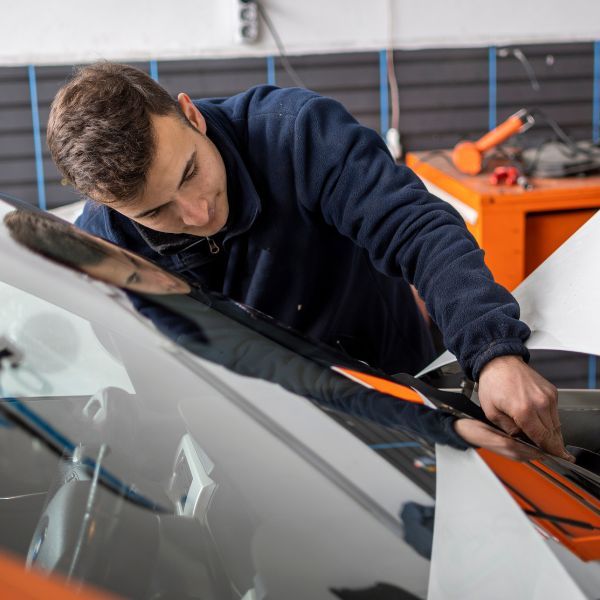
[70, 31]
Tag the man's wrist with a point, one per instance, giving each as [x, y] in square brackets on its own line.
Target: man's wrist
[506, 360]
[508, 347]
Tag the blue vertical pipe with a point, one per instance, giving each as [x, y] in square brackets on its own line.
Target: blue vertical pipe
[384, 106]
[37, 138]
[154, 70]
[592, 366]
[271, 70]
[596, 96]
[492, 88]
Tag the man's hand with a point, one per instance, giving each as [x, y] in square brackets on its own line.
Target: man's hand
[516, 398]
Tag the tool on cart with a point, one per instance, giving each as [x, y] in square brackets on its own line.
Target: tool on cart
[504, 176]
[468, 156]
[560, 156]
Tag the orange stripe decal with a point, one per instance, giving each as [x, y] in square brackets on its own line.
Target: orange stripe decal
[382, 385]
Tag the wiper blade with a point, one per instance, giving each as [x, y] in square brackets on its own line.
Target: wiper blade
[558, 519]
[30, 422]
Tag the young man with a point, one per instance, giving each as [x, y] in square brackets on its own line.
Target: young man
[281, 200]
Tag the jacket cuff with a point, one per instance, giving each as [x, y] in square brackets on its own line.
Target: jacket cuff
[451, 437]
[510, 347]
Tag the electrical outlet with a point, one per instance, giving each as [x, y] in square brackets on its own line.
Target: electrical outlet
[245, 21]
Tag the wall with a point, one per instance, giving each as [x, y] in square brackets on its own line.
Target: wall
[72, 31]
[444, 97]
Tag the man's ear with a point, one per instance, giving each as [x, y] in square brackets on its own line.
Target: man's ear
[192, 114]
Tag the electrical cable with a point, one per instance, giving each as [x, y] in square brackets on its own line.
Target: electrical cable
[556, 128]
[282, 53]
[394, 92]
[520, 56]
[393, 138]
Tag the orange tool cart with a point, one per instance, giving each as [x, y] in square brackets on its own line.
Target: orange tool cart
[518, 228]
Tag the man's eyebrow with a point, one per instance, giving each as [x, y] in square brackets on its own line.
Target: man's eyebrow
[188, 166]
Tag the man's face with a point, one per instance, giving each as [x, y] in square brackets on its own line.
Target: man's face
[186, 186]
[124, 269]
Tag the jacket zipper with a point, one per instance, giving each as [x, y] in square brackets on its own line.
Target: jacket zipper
[212, 246]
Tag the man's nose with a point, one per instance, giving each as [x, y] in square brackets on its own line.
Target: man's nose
[192, 211]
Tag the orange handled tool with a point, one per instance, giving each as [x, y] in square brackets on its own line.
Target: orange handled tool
[468, 156]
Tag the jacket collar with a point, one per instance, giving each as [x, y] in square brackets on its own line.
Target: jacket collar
[244, 202]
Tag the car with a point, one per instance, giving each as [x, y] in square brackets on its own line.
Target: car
[159, 440]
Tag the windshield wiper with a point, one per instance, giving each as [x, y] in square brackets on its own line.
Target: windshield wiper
[563, 520]
[540, 514]
[30, 422]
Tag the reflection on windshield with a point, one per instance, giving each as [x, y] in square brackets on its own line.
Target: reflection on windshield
[180, 311]
[64, 243]
[56, 346]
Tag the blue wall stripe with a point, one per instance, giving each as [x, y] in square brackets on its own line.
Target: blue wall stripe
[492, 88]
[596, 101]
[37, 138]
[592, 366]
[154, 70]
[271, 70]
[384, 106]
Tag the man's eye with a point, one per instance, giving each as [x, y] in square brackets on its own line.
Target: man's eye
[191, 174]
[154, 213]
[133, 278]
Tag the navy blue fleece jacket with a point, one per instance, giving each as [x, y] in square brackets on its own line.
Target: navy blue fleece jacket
[325, 233]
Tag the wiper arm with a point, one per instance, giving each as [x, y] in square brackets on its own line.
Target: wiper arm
[558, 519]
[30, 422]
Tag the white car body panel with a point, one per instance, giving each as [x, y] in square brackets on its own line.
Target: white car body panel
[484, 546]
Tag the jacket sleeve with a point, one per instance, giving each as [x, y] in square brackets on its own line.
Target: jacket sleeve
[345, 171]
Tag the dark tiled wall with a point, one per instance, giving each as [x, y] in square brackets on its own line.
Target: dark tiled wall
[444, 97]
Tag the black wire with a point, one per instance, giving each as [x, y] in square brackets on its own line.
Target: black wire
[558, 130]
[282, 53]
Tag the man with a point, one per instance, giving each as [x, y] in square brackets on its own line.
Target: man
[281, 200]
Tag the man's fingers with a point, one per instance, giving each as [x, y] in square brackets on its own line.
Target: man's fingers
[481, 435]
[549, 439]
[503, 421]
[514, 395]
[545, 403]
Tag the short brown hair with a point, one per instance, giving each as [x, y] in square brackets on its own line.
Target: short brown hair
[100, 133]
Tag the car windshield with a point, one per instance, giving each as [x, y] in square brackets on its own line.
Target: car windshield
[233, 463]
[161, 440]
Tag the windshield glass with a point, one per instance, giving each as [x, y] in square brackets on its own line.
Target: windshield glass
[154, 471]
[235, 456]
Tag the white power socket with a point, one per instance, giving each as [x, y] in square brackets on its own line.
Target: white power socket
[245, 21]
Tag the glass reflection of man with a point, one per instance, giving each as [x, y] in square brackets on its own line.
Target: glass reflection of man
[102, 260]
